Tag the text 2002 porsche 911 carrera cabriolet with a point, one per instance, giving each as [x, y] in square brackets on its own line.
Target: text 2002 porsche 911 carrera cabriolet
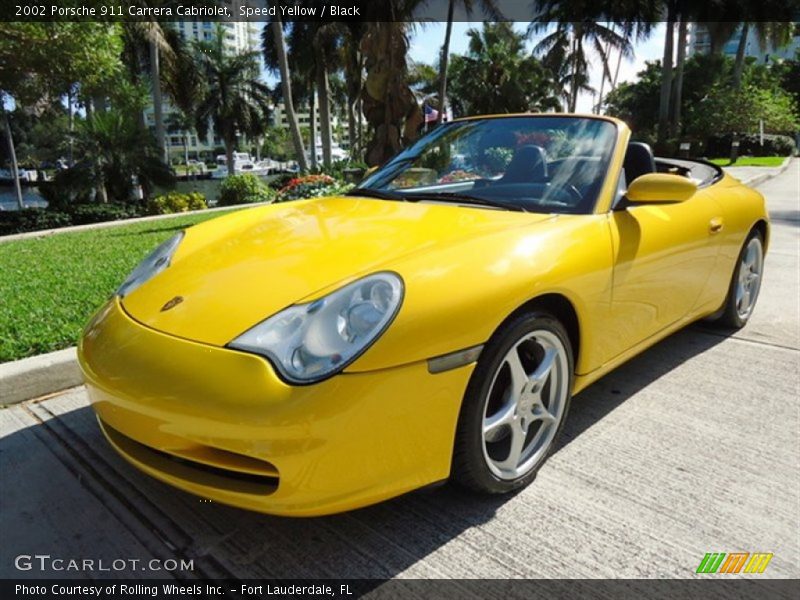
[320, 355]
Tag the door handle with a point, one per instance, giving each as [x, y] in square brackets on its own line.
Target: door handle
[715, 225]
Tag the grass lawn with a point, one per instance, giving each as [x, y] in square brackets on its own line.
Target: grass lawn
[751, 161]
[50, 286]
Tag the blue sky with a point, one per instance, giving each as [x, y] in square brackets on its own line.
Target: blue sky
[426, 43]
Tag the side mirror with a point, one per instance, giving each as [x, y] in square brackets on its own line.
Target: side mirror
[660, 188]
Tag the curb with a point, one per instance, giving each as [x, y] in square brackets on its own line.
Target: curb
[105, 224]
[37, 376]
[761, 178]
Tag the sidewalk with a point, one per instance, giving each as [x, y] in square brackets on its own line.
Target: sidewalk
[755, 175]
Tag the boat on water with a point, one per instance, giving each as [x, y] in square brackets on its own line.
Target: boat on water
[26, 176]
[244, 163]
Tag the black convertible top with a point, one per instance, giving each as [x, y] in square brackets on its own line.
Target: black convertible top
[703, 172]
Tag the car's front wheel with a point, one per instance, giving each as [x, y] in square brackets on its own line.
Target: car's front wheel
[515, 405]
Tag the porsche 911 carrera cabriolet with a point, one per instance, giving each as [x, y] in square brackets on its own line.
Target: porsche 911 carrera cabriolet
[315, 356]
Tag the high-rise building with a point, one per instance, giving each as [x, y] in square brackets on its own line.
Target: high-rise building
[240, 37]
[700, 43]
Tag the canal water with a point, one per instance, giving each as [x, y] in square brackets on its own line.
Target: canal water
[31, 197]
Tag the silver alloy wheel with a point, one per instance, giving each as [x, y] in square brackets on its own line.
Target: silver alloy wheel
[525, 404]
[749, 282]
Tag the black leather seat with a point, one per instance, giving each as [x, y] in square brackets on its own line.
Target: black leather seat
[639, 160]
[528, 165]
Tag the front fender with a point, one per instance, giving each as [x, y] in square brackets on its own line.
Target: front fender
[458, 296]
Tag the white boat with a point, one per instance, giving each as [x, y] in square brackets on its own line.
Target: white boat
[25, 175]
[337, 152]
[242, 163]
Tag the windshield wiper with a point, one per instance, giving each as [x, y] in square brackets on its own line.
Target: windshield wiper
[375, 193]
[465, 198]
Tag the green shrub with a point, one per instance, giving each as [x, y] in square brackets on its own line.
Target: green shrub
[175, 202]
[312, 186]
[97, 213]
[774, 145]
[32, 219]
[244, 189]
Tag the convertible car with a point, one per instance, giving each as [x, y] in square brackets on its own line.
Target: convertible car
[315, 356]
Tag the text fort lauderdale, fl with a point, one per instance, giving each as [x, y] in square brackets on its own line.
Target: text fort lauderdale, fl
[207, 590]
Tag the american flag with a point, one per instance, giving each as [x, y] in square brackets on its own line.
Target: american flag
[431, 114]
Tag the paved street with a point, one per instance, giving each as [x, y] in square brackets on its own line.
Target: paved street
[693, 447]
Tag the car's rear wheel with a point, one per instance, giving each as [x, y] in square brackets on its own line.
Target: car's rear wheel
[515, 405]
[745, 284]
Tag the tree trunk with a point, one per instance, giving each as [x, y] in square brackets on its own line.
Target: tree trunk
[666, 76]
[71, 127]
[291, 116]
[324, 105]
[186, 154]
[677, 91]
[444, 61]
[312, 128]
[158, 105]
[229, 143]
[573, 100]
[13, 154]
[102, 191]
[616, 72]
[738, 65]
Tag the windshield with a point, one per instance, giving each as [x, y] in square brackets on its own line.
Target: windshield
[550, 164]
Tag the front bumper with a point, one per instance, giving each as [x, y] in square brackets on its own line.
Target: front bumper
[220, 424]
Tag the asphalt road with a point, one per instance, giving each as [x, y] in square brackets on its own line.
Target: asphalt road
[693, 447]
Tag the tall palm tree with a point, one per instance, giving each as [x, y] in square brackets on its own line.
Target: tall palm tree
[575, 42]
[490, 8]
[183, 83]
[151, 46]
[274, 49]
[387, 102]
[233, 98]
[12, 152]
[768, 33]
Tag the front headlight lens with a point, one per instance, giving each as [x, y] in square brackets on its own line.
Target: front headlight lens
[152, 265]
[309, 342]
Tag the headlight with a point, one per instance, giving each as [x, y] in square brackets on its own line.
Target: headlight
[309, 342]
[156, 261]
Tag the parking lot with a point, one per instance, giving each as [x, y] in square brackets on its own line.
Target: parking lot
[693, 447]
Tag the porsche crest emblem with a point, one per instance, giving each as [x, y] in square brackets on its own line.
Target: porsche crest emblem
[170, 304]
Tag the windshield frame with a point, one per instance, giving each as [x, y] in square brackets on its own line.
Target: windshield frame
[612, 160]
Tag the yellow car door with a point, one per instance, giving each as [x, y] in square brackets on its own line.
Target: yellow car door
[663, 256]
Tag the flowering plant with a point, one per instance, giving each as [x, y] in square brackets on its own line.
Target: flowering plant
[458, 175]
[312, 186]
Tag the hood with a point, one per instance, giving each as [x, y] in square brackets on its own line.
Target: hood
[236, 271]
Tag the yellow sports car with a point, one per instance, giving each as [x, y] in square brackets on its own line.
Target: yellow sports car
[315, 356]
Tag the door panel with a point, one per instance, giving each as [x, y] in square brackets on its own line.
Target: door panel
[664, 254]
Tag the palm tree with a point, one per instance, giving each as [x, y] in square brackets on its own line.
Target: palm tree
[499, 75]
[569, 42]
[115, 150]
[490, 8]
[151, 45]
[11, 152]
[769, 34]
[184, 86]
[274, 45]
[233, 98]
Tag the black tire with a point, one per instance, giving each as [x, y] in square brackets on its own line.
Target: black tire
[470, 467]
[730, 317]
